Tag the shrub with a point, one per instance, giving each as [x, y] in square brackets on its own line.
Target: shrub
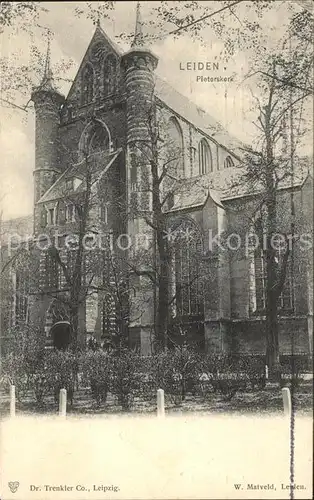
[126, 377]
[176, 371]
[28, 341]
[222, 373]
[96, 369]
[24, 361]
[162, 375]
[39, 382]
[62, 367]
[13, 372]
[254, 368]
[292, 370]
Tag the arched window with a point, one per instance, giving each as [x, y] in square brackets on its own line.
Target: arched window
[110, 75]
[94, 139]
[188, 269]
[205, 158]
[175, 147]
[99, 140]
[228, 163]
[87, 84]
[258, 256]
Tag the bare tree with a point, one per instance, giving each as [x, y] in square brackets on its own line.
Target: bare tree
[158, 184]
[269, 165]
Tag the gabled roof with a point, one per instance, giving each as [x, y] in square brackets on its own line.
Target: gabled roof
[99, 35]
[78, 171]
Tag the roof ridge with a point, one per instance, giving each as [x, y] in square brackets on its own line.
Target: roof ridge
[53, 185]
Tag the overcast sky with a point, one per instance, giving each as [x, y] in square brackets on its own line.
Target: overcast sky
[230, 103]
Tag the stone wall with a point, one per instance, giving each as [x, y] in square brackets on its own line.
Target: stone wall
[249, 336]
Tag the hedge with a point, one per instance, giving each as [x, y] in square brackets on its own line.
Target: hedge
[126, 375]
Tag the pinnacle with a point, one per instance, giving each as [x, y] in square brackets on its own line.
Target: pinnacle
[138, 40]
[47, 82]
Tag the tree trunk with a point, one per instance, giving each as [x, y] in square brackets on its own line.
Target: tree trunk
[162, 305]
[74, 320]
[162, 261]
[272, 342]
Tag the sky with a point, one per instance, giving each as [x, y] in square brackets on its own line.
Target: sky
[232, 103]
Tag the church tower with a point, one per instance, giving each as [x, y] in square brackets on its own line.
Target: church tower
[47, 102]
[138, 65]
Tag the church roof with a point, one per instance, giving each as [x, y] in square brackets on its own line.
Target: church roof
[78, 173]
[194, 191]
[202, 120]
[233, 185]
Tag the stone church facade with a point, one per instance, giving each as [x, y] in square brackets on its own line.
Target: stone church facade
[100, 122]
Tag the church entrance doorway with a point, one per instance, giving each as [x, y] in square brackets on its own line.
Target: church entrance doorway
[61, 334]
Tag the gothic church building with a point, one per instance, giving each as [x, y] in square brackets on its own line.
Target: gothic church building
[115, 103]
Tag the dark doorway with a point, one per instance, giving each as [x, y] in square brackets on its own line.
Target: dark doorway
[61, 334]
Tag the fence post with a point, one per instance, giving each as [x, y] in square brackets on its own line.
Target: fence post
[160, 403]
[286, 396]
[63, 403]
[12, 400]
[266, 372]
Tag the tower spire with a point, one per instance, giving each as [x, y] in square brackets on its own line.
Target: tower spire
[138, 40]
[47, 82]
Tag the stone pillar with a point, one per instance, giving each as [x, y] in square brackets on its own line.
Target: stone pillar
[217, 314]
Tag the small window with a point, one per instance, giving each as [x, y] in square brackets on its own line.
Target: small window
[104, 213]
[69, 184]
[228, 163]
[70, 213]
[51, 216]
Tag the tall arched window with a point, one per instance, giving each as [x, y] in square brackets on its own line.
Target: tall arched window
[188, 269]
[228, 163]
[205, 158]
[87, 84]
[110, 75]
[258, 270]
[175, 147]
[99, 140]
